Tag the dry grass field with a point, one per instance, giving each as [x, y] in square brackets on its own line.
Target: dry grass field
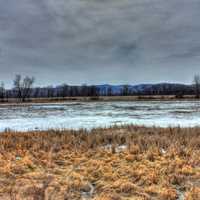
[118, 163]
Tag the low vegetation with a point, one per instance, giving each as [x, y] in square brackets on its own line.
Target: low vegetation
[118, 163]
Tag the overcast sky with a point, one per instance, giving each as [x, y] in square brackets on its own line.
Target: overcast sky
[100, 41]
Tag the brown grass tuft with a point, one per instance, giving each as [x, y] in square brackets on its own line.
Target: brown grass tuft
[118, 163]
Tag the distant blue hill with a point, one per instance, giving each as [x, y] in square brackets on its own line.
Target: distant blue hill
[144, 88]
[107, 90]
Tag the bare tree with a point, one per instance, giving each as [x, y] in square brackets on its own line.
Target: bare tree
[94, 91]
[125, 90]
[64, 90]
[50, 91]
[23, 86]
[2, 91]
[196, 82]
[109, 91]
[84, 90]
[36, 92]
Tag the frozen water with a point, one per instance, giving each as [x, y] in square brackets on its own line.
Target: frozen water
[99, 114]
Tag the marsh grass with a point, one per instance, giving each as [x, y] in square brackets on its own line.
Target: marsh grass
[117, 163]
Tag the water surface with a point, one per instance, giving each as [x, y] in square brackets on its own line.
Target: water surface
[88, 115]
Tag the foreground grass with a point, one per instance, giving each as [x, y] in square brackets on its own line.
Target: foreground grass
[119, 163]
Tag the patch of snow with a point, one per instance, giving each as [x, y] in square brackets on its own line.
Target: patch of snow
[75, 115]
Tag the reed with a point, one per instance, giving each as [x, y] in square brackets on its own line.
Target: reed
[116, 163]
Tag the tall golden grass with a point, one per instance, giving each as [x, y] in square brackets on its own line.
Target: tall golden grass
[117, 163]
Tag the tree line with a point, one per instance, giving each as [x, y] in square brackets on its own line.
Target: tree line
[23, 89]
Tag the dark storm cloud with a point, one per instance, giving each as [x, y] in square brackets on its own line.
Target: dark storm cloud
[95, 41]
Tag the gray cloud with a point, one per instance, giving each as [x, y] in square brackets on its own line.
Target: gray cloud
[97, 41]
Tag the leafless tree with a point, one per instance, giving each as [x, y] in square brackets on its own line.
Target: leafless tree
[196, 82]
[2, 91]
[109, 91]
[23, 86]
[50, 91]
[64, 90]
[125, 90]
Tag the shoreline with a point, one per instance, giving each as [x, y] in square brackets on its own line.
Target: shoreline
[97, 129]
[14, 102]
[120, 162]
